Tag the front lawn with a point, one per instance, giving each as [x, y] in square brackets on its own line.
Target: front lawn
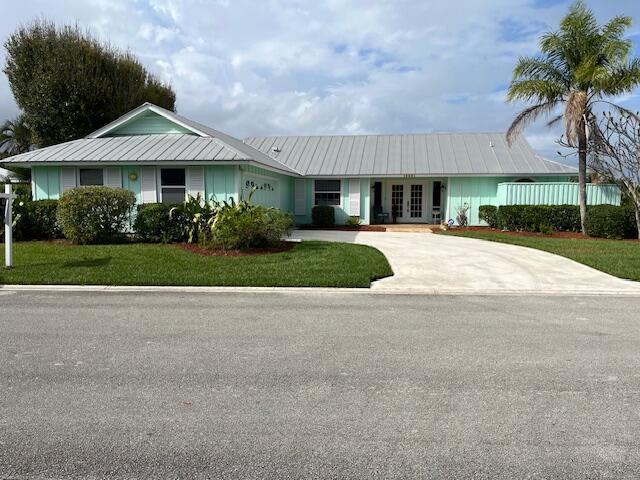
[308, 264]
[616, 257]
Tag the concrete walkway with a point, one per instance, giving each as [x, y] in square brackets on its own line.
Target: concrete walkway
[430, 263]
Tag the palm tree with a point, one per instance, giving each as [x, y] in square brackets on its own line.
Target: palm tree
[15, 138]
[581, 64]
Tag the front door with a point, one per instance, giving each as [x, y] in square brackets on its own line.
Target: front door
[408, 202]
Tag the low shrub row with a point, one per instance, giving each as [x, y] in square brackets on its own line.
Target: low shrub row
[607, 221]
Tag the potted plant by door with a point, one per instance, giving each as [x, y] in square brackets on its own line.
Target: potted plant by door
[394, 213]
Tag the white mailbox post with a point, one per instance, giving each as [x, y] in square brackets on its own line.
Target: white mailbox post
[6, 199]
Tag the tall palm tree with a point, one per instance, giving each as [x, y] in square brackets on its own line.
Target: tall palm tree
[581, 64]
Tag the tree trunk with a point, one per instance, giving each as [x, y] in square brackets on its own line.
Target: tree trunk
[582, 178]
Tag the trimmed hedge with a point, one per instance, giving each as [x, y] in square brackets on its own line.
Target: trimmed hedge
[609, 221]
[95, 214]
[323, 216]
[154, 224]
[37, 220]
[489, 214]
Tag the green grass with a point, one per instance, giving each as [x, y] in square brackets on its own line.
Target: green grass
[616, 257]
[308, 264]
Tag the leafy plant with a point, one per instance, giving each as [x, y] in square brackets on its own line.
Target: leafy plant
[95, 214]
[193, 217]
[243, 225]
[353, 221]
[36, 220]
[462, 218]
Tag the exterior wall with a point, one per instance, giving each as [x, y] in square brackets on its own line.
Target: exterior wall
[477, 191]
[555, 193]
[221, 182]
[274, 189]
[149, 123]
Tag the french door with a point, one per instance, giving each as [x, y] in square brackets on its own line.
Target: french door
[408, 201]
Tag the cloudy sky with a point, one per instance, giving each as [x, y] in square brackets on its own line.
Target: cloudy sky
[265, 67]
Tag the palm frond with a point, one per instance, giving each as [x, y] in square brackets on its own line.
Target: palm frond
[540, 68]
[528, 116]
[540, 91]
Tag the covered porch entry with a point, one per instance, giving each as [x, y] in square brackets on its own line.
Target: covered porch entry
[408, 200]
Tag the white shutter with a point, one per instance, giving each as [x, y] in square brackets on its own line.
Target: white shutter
[148, 185]
[113, 177]
[354, 197]
[67, 178]
[300, 194]
[195, 181]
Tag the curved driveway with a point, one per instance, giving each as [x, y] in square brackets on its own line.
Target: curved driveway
[427, 262]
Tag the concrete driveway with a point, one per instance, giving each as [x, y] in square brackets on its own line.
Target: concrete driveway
[426, 262]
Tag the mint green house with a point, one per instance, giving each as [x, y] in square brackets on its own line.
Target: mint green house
[421, 178]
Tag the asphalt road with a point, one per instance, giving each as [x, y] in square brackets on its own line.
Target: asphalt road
[305, 385]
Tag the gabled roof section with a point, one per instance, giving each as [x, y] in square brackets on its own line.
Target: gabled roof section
[144, 110]
[429, 154]
[189, 141]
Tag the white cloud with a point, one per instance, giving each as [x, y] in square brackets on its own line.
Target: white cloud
[293, 66]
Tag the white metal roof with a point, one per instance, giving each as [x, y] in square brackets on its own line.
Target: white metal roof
[411, 154]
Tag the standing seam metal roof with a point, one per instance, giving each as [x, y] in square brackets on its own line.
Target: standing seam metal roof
[426, 154]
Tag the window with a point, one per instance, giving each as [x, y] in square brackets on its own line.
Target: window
[327, 192]
[173, 185]
[91, 176]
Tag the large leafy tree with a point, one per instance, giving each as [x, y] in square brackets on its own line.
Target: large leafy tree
[69, 84]
[580, 65]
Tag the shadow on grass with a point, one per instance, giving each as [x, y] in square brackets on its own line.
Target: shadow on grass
[89, 262]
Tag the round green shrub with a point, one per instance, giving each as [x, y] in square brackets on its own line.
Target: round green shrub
[610, 221]
[95, 214]
[323, 216]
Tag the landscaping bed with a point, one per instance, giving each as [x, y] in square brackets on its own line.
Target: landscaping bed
[574, 235]
[306, 264]
[620, 258]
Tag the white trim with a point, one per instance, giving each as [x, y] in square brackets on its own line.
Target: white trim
[354, 197]
[300, 204]
[138, 111]
[152, 197]
[73, 174]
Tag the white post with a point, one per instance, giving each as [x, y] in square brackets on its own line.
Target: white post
[8, 233]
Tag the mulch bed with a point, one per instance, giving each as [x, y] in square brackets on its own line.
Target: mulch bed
[218, 252]
[566, 235]
[347, 228]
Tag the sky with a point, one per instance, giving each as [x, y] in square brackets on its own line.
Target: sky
[287, 67]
